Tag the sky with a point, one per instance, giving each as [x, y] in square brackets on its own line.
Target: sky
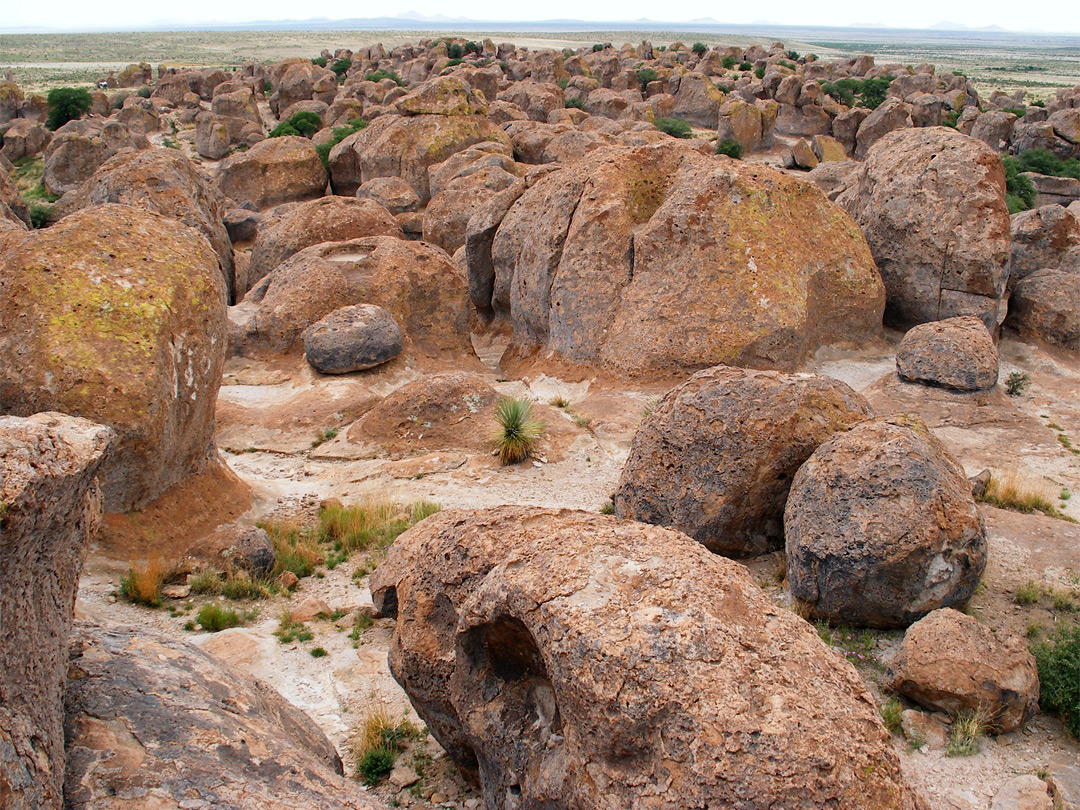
[1061, 15]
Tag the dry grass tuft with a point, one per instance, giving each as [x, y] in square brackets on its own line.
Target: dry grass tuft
[143, 583]
[1020, 492]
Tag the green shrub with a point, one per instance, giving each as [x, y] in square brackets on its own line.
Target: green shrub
[890, 712]
[699, 48]
[380, 74]
[563, 83]
[319, 652]
[730, 147]
[874, 91]
[728, 62]
[213, 618]
[793, 55]
[337, 135]
[597, 47]
[1043, 161]
[951, 119]
[304, 124]
[1058, 660]
[375, 765]
[341, 66]
[39, 215]
[319, 60]
[577, 102]
[760, 72]
[205, 582]
[843, 91]
[143, 92]
[296, 548]
[785, 63]
[675, 127]
[1017, 383]
[646, 75]
[67, 104]
[1019, 190]
[608, 508]
[1017, 111]
[474, 47]
[267, 87]
[455, 51]
[454, 62]
[518, 434]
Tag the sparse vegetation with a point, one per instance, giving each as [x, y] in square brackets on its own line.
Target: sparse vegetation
[608, 508]
[319, 652]
[576, 102]
[205, 582]
[289, 631]
[1058, 660]
[380, 74]
[143, 583]
[213, 617]
[745, 66]
[371, 524]
[337, 135]
[674, 127]
[699, 48]
[1017, 383]
[730, 147]
[378, 742]
[304, 124]
[967, 729]
[728, 62]
[1020, 493]
[296, 548]
[890, 712]
[646, 75]
[518, 435]
[1028, 593]
[67, 104]
[1019, 190]
[760, 72]
[324, 436]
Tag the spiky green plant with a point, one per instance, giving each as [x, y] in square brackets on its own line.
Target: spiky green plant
[518, 433]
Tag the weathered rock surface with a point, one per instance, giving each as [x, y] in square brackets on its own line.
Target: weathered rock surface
[950, 662]
[50, 505]
[1044, 237]
[352, 339]
[583, 265]
[715, 458]
[234, 547]
[419, 285]
[329, 219]
[443, 95]
[554, 651]
[931, 203]
[881, 527]
[154, 722]
[166, 182]
[78, 148]
[446, 219]
[1046, 306]
[956, 353]
[24, 138]
[118, 315]
[1024, 792]
[392, 193]
[272, 172]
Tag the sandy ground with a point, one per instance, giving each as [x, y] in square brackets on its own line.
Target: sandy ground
[269, 414]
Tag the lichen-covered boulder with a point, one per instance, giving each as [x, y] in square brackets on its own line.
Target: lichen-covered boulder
[50, 505]
[950, 662]
[443, 95]
[164, 181]
[329, 219]
[715, 458]
[881, 527]
[1046, 306]
[956, 353]
[405, 146]
[272, 172]
[392, 193]
[554, 652]
[446, 219]
[1044, 237]
[117, 314]
[931, 203]
[352, 338]
[419, 285]
[658, 259]
[24, 138]
[78, 148]
[155, 722]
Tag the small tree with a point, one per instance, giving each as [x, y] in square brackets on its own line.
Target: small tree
[455, 51]
[341, 66]
[699, 48]
[646, 75]
[728, 62]
[67, 104]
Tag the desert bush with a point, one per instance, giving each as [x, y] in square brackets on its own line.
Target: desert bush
[304, 124]
[744, 65]
[39, 215]
[67, 104]
[474, 47]
[319, 60]
[674, 127]
[730, 147]
[341, 66]
[337, 135]
[646, 75]
[319, 652]
[728, 62]
[577, 102]
[760, 72]
[1019, 190]
[1058, 660]
[874, 91]
[241, 585]
[455, 50]
[142, 585]
[381, 73]
[518, 434]
[597, 47]
[699, 48]
[785, 63]
[793, 55]
[1017, 383]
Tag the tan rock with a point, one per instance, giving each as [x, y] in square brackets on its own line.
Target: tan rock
[828, 149]
[443, 95]
[922, 729]
[1045, 307]
[309, 609]
[804, 154]
[956, 353]
[273, 171]
[1023, 792]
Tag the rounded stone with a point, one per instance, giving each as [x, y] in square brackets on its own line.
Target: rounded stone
[955, 353]
[352, 338]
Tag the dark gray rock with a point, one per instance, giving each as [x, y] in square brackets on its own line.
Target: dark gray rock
[715, 458]
[50, 505]
[881, 527]
[352, 339]
[956, 353]
[161, 722]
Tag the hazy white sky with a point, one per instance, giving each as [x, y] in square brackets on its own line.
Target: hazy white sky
[1059, 15]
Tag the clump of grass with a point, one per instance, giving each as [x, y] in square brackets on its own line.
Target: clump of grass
[518, 434]
[1028, 593]
[324, 436]
[213, 617]
[371, 524]
[1058, 660]
[296, 548]
[319, 652]
[856, 647]
[576, 102]
[1014, 491]
[142, 585]
[559, 402]
[378, 742]
[1064, 601]
[209, 582]
[967, 729]
[241, 585]
[1017, 383]
[890, 712]
[289, 631]
[608, 508]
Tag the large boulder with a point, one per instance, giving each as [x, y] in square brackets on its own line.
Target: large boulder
[296, 80]
[715, 458]
[554, 652]
[890, 115]
[881, 527]
[329, 219]
[421, 288]
[405, 146]
[1046, 306]
[117, 314]
[443, 95]
[154, 722]
[78, 148]
[272, 172]
[446, 219]
[164, 181]
[660, 259]
[24, 138]
[1048, 236]
[950, 662]
[352, 339]
[956, 353]
[51, 505]
[931, 203]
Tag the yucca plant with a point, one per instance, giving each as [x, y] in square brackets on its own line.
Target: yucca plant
[518, 433]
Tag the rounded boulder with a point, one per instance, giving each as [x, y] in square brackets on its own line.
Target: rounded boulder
[1046, 306]
[352, 338]
[956, 353]
[881, 527]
